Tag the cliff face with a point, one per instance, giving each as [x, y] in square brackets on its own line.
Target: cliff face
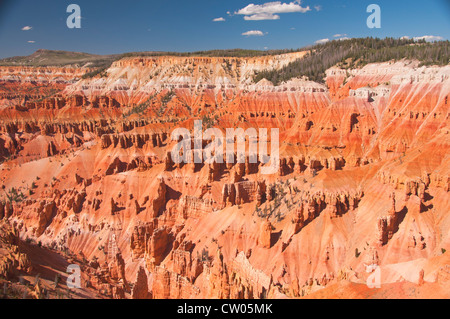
[363, 178]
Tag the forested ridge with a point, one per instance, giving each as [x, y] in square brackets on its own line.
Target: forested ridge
[357, 53]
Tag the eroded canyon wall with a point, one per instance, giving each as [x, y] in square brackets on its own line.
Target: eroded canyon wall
[363, 176]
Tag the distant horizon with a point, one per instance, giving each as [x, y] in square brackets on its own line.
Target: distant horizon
[196, 51]
[113, 27]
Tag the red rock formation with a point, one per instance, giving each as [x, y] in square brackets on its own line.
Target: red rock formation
[265, 234]
[159, 246]
[12, 260]
[160, 200]
[139, 239]
[45, 213]
[93, 158]
[140, 287]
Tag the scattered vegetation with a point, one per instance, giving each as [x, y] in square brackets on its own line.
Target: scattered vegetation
[100, 71]
[61, 58]
[235, 53]
[141, 108]
[166, 99]
[274, 208]
[357, 53]
[204, 257]
[208, 121]
[13, 195]
[348, 53]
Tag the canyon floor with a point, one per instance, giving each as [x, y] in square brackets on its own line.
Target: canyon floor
[358, 207]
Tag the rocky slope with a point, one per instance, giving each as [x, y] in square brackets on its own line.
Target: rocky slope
[363, 180]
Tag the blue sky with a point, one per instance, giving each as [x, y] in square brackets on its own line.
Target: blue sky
[113, 26]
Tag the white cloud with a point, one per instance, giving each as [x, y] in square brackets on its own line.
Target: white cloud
[318, 7]
[429, 38]
[31, 41]
[269, 10]
[343, 38]
[219, 19]
[253, 32]
[321, 41]
[405, 37]
[27, 28]
[339, 35]
[262, 16]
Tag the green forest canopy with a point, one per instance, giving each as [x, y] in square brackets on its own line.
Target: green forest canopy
[357, 53]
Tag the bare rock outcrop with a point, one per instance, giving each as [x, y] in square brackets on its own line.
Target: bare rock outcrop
[140, 287]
